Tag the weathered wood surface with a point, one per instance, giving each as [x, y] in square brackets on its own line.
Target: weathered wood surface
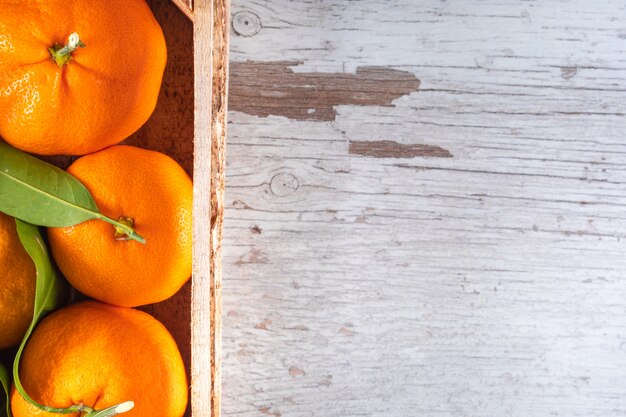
[453, 251]
[210, 38]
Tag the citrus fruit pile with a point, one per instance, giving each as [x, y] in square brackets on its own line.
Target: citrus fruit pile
[77, 77]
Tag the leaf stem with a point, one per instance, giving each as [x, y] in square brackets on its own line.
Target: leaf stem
[129, 231]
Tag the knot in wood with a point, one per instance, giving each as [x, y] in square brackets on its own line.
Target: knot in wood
[246, 23]
[284, 184]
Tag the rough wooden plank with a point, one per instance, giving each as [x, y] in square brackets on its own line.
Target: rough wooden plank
[488, 284]
[219, 106]
[211, 81]
[201, 288]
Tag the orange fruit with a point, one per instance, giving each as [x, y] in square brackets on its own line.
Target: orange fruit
[17, 285]
[100, 355]
[156, 193]
[87, 99]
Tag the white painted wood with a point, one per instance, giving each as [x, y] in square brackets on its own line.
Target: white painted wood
[489, 284]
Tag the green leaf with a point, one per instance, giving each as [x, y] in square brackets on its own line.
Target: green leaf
[49, 289]
[49, 292]
[5, 381]
[40, 193]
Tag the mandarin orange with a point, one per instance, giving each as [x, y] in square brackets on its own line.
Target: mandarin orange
[99, 355]
[149, 190]
[57, 97]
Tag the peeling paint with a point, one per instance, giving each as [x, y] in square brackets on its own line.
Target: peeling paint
[346, 331]
[392, 149]
[327, 381]
[273, 88]
[268, 411]
[295, 372]
[255, 256]
[263, 325]
[300, 327]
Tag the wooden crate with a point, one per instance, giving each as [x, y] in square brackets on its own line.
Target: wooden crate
[189, 124]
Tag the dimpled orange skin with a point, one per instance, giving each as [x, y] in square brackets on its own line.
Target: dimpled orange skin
[153, 190]
[17, 285]
[105, 93]
[100, 355]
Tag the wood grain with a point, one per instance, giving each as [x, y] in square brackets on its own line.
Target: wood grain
[202, 282]
[219, 109]
[486, 284]
[210, 81]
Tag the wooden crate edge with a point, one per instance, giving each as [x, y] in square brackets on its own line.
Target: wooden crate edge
[185, 7]
[211, 27]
